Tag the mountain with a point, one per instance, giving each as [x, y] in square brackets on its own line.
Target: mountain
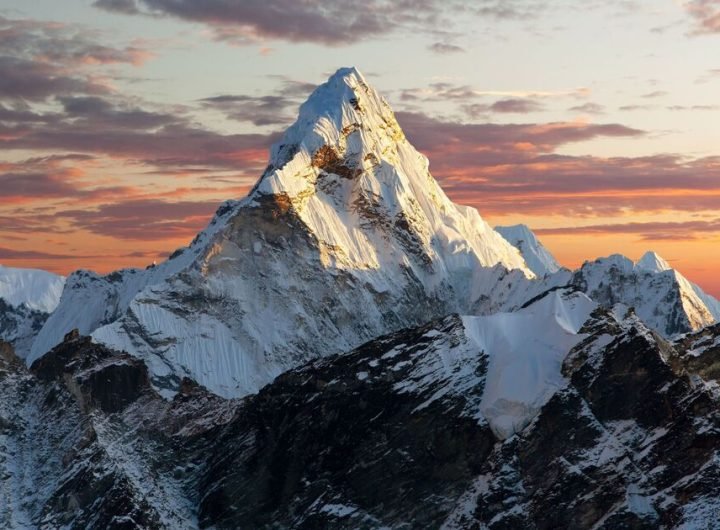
[662, 297]
[538, 258]
[345, 236]
[560, 415]
[27, 297]
[346, 348]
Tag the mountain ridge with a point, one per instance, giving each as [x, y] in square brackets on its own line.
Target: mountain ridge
[345, 219]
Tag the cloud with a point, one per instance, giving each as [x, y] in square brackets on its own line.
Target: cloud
[334, 23]
[516, 106]
[705, 15]
[338, 22]
[29, 80]
[279, 108]
[147, 137]
[632, 108]
[511, 168]
[432, 133]
[694, 107]
[143, 219]
[50, 178]
[649, 231]
[655, 94]
[42, 59]
[588, 108]
[14, 254]
[444, 48]
[439, 92]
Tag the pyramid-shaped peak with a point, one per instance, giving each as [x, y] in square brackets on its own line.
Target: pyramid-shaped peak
[652, 262]
[344, 124]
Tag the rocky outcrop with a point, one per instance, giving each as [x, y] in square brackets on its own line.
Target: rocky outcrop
[388, 435]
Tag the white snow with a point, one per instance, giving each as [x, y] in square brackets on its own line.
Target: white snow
[376, 250]
[526, 351]
[652, 262]
[36, 289]
[653, 289]
[538, 258]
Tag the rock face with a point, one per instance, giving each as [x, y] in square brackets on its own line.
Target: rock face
[345, 222]
[393, 434]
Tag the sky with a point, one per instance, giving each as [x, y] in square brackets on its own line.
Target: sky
[124, 123]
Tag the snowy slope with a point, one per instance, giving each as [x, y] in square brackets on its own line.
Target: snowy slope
[36, 289]
[90, 300]
[27, 296]
[345, 236]
[526, 350]
[662, 297]
[538, 258]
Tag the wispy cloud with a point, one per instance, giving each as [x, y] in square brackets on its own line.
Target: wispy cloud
[445, 48]
[705, 15]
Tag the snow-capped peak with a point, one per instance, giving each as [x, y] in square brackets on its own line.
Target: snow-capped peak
[662, 297]
[343, 125]
[345, 236]
[652, 262]
[36, 289]
[538, 258]
[347, 170]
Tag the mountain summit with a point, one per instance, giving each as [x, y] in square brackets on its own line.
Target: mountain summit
[345, 236]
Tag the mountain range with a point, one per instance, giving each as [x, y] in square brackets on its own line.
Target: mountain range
[347, 348]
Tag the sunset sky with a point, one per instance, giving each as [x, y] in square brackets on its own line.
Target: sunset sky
[124, 123]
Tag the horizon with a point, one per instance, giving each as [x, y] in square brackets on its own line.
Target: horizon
[118, 149]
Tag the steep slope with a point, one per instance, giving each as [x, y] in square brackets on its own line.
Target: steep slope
[35, 289]
[27, 297]
[346, 236]
[90, 300]
[662, 297]
[538, 258]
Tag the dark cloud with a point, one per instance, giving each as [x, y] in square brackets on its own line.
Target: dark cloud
[431, 133]
[444, 48]
[14, 254]
[516, 106]
[143, 219]
[510, 168]
[648, 231]
[655, 94]
[50, 178]
[502, 106]
[139, 135]
[588, 108]
[31, 80]
[279, 108]
[42, 59]
[335, 23]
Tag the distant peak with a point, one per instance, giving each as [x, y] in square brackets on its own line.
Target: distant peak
[652, 262]
[536, 256]
[347, 72]
[519, 231]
